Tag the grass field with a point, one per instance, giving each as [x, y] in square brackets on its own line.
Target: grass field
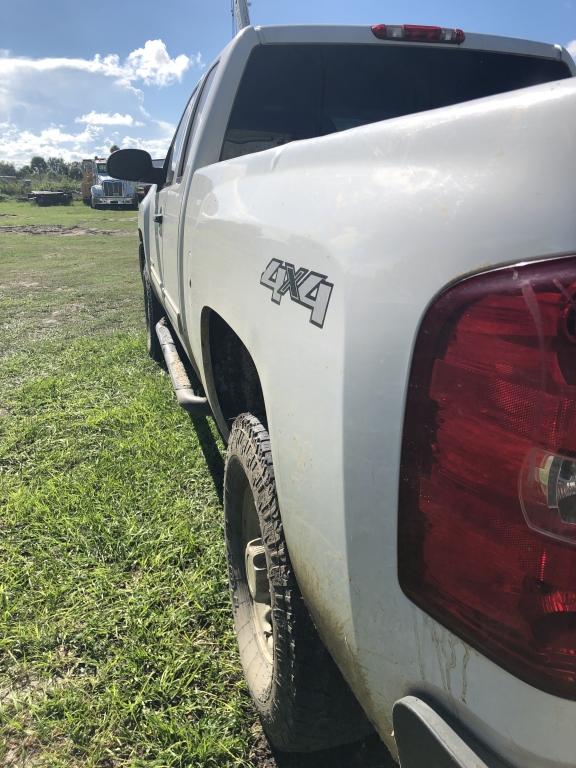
[116, 646]
[115, 638]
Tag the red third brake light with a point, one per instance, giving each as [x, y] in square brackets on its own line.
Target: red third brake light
[487, 521]
[418, 33]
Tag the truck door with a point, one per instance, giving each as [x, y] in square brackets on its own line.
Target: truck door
[170, 199]
[166, 218]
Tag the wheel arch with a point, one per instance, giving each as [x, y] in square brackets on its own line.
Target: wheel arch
[141, 252]
[232, 379]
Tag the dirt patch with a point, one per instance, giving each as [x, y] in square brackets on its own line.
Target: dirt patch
[23, 687]
[20, 755]
[19, 284]
[69, 309]
[58, 315]
[60, 229]
[261, 755]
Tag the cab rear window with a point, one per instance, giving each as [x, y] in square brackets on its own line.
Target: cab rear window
[291, 92]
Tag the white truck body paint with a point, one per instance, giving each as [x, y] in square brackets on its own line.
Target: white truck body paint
[391, 213]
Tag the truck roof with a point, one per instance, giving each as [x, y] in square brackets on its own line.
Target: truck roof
[363, 34]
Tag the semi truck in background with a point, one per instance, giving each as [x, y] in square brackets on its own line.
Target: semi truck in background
[99, 189]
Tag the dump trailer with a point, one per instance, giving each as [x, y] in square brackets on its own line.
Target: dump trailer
[100, 190]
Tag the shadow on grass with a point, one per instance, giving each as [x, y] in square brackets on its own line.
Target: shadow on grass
[212, 455]
[369, 753]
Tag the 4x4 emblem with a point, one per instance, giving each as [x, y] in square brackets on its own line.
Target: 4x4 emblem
[310, 289]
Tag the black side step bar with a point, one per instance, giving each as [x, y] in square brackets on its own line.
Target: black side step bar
[197, 406]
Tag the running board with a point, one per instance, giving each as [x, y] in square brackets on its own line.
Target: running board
[197, 406]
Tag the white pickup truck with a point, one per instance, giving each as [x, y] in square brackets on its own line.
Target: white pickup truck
[363, 240]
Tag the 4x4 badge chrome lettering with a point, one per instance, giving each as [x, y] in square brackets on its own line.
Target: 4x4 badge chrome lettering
[307, 288]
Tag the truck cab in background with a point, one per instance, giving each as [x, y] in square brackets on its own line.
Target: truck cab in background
[99, 189]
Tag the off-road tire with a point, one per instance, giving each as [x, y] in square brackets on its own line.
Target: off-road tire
[302, 700]
[153, 312]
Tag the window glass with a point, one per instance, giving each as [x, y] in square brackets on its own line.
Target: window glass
[206, 88]
[178, 140]
[291, 92]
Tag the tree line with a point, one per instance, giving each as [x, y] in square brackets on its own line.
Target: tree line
[40, 166]
[51, 166]
[40, 173]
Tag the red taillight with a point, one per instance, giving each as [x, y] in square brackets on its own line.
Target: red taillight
[487, 523]
[418, 33]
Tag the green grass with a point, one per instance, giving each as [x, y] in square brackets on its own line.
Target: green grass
[116, 646]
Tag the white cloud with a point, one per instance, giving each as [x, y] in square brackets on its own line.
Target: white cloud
[151, 64]
[44, 102]
[571, 47]
[156, 147]
[105, 118]
[167, 128]
[19, 146]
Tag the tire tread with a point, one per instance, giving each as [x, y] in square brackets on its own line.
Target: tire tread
[310, 706]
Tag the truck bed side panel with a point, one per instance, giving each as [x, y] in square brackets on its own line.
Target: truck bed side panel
[390, 213]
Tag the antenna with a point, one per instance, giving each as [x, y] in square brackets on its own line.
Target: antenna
[241, 14]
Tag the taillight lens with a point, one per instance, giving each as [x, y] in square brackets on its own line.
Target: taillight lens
[487, 523]
[418, 33]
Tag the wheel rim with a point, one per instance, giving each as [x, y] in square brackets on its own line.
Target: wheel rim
[256, 573]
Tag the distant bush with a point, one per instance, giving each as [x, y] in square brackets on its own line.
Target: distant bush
[51, 174]
[53, 182]
[16, 188]
[49, 181]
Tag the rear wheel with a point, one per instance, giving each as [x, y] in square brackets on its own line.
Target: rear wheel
[302, 699]
[153, 312]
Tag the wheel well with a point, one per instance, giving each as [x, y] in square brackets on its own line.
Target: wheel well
[141, 253]
[234, 375]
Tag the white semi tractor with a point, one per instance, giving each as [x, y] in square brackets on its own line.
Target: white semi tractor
[100, 190]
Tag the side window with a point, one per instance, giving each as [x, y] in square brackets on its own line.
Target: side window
[200, 104]
[175, 151]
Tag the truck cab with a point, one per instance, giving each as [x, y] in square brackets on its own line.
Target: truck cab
[99, 189]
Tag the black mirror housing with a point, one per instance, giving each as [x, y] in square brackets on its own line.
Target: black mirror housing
[134, 165]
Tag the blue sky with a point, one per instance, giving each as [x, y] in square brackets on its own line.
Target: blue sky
[76, 76]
